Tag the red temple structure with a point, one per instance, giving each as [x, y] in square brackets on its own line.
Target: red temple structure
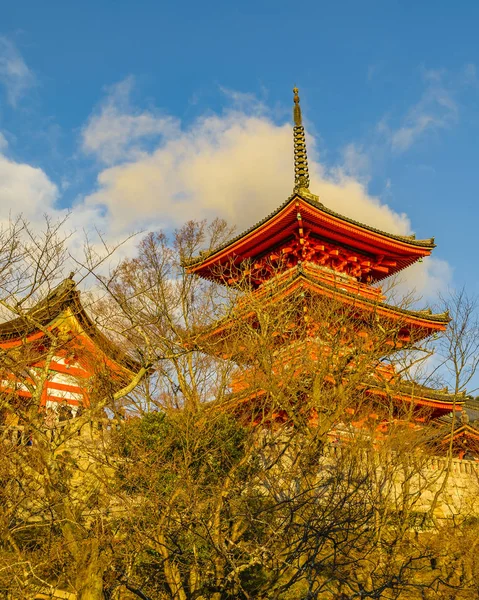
[303, 255]
[57, 339]
[306, 250]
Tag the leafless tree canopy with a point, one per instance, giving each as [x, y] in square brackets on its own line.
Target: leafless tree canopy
[244, 461]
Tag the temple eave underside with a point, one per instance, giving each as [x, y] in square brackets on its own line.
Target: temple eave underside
[301, 227]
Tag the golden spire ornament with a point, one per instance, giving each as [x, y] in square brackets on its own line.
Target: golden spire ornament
[301, 171]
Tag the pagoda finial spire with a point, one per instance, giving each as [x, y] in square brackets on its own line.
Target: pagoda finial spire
[301, 171]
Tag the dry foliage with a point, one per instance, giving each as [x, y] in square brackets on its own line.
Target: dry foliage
[251, 464]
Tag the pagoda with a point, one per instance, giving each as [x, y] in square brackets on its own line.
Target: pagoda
[305, 251]
[54, 351]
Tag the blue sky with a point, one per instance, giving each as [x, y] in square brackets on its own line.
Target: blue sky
[142, 114]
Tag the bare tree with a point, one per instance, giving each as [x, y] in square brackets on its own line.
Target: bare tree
[265, 455]
[54, 495]
[272, 472]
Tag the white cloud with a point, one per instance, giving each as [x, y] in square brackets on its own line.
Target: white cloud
[25, 189]
[238, 165]
[235, 166]
[427, 279]
[356, 162]
[232, 166]
[14, 72]
[3, 142]
[116, 132]
[436, 109]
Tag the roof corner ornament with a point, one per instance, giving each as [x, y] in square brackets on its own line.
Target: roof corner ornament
[301, 171]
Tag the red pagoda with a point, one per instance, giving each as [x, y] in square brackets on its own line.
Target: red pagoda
[306, 250]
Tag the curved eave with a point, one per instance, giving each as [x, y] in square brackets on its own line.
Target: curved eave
[430, 398]
[436, 322]
[99, 340]
[288, 282]
[62, 299]
[463, 431]
[418, 325]
[307, 273]
[322, 221]
[435, 400]
[41, 315]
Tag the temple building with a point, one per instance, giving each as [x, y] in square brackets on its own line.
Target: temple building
[306, 254]
[315, 271]
[54, 354]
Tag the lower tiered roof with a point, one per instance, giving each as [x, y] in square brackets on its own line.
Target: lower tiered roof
[426, 402]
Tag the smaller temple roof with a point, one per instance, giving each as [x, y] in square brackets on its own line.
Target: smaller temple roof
[459, 431]
[471, 408]
[468, 420]
[65, 296]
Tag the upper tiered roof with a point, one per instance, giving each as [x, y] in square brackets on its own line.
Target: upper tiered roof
[387, 253]
[325, 236]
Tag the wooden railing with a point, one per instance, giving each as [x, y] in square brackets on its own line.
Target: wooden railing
[433, 463]
[456, 465]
